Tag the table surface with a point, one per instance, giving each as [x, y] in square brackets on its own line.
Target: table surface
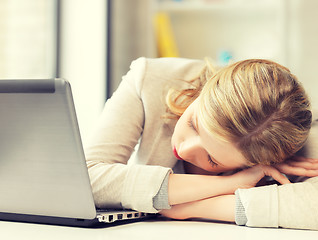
[162, 229]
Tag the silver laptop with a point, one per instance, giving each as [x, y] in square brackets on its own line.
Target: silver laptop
[43, 173]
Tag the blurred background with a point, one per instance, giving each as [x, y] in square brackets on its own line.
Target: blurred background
[92, 43]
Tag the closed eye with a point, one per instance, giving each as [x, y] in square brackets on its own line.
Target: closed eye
[212, 163]
[191, 125]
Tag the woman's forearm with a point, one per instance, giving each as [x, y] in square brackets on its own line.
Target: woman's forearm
[220, 208]
[185, 188]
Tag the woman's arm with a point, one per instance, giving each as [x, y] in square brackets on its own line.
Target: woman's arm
[288, 206]
[185, 188]
[114, 182]
[212, 197]
[220, 208]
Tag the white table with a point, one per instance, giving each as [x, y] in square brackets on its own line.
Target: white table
[151, 229]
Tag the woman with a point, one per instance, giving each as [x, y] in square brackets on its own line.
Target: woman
[252, 114]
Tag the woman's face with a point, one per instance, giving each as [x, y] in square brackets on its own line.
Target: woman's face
[193, 144]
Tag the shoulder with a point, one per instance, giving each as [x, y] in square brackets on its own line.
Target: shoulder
[157, 73]
[174, 62]
[181, 67]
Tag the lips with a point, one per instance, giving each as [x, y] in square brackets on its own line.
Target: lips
[176, 154]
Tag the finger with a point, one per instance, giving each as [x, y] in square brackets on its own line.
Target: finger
[303, 159]
[297, 171]
[277, 175]
[304, 164]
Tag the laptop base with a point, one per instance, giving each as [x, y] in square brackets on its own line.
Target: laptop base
[102, 220]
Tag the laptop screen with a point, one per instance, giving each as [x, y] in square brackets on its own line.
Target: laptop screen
[42, 165]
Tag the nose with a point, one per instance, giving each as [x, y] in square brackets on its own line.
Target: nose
[191, 149]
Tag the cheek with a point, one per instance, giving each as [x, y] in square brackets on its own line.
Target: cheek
[175, 138]
[179, 129]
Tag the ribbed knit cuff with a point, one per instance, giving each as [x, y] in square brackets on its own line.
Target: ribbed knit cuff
[161, 200]
[240, 216]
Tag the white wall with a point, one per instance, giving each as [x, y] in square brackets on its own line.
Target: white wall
[83, 57]
[27, 39]
[303, 49]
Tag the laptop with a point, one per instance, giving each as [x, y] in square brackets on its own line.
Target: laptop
[43, 172]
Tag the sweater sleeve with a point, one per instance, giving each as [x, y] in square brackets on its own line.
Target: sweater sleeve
[260, 206]
[114, 182]
[288, 206]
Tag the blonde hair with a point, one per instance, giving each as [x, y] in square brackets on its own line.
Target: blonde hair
[256, 104]
[177, 100]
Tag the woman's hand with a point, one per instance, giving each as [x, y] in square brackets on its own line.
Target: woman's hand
[249, 178]
[299, 166]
